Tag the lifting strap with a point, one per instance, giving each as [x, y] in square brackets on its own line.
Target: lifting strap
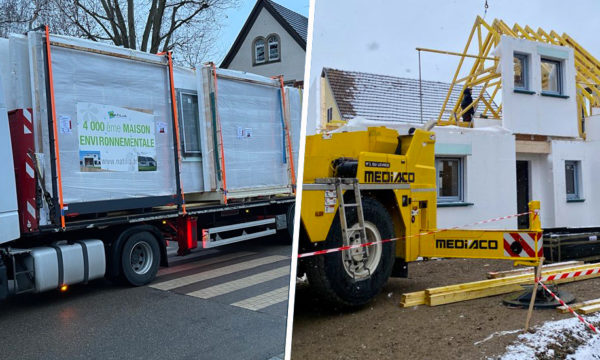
[287, 138]
[176, 124]
[54, 130]
[219, 132]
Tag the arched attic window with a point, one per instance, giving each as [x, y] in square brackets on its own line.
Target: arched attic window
[259, 50]
[274, 50]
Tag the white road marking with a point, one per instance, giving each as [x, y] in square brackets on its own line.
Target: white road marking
[210, 274]
[263, 300]
[242, 283]
[200, 263]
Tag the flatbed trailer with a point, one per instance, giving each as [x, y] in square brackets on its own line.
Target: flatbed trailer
[100, 220]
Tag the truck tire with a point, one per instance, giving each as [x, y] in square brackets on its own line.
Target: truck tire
[140, 258]
[338, 282]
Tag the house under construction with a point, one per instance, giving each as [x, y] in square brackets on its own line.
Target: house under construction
[535, 132]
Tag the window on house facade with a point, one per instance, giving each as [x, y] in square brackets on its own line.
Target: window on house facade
[521, 67]
[274, 53]
[573, 180]
[450, 179]
[329, 114]
[551, 76]
[189, 122]
[259, 51]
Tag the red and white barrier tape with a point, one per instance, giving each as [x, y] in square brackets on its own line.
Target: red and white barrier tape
[571, 274]
[567, 306]
[357, 246]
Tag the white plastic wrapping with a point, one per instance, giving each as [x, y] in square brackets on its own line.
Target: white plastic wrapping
[253, 137]
[130, 90]
[114, 125]
[294, 106]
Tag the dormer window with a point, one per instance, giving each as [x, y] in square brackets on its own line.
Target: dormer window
[259, 51]
[273, 42]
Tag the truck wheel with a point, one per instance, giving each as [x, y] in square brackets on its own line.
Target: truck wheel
[140, 258]
[352, 278]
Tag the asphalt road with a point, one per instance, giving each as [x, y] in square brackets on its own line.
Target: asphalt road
[226, 303]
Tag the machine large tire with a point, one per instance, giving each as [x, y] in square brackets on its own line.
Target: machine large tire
[331, 277]
[140, 258]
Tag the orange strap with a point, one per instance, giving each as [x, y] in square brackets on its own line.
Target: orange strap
[220, 132]
[287, 134]
[176, 120]
[54, 129]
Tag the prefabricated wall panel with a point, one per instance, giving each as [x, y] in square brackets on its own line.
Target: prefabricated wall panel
[115, 126]
[245, 127]
[114, 123]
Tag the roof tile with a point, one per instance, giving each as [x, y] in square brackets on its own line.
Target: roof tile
[389, 98]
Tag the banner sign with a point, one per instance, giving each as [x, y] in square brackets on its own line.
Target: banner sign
[112, 138]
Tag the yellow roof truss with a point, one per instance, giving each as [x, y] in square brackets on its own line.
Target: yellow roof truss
[482, 40]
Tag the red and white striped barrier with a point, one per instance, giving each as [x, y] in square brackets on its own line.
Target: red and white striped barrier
[523, 244]
[571, 274]
[592, 327]
[357, 246]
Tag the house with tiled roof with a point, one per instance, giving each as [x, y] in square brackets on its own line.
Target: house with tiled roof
[272, 42]
[346, 95]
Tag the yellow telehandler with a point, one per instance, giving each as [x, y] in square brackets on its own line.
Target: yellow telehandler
[379, 187]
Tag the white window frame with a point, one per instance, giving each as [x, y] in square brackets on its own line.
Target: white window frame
[524, 58]
[277, 42]
[577, 184]
[461, 180]
[185, 152]
[559, 76]
[255, 50]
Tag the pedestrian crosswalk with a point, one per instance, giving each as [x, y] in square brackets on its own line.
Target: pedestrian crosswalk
[249, 280]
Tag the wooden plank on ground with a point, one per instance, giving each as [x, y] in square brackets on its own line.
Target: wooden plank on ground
[483, 288]
[589, 309]
[412, 299]
[525, 278]
[564, 309]
[528, 270]
[462, 295]
[478, 289]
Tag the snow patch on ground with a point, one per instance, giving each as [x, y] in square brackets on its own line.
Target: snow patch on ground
[562, 339]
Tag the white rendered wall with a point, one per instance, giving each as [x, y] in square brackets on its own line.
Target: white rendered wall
[534, 113]
[292, 55]
[490, 174]
[586, 213]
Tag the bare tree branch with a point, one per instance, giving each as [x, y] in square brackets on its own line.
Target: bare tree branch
[148, 26]
[189, 28]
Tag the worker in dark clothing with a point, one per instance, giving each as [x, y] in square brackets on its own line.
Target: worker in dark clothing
[466, 101]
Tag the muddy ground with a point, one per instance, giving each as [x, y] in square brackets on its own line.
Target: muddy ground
[383, 330]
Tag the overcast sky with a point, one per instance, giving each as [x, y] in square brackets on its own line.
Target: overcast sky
[380, 36]
[236, 18]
